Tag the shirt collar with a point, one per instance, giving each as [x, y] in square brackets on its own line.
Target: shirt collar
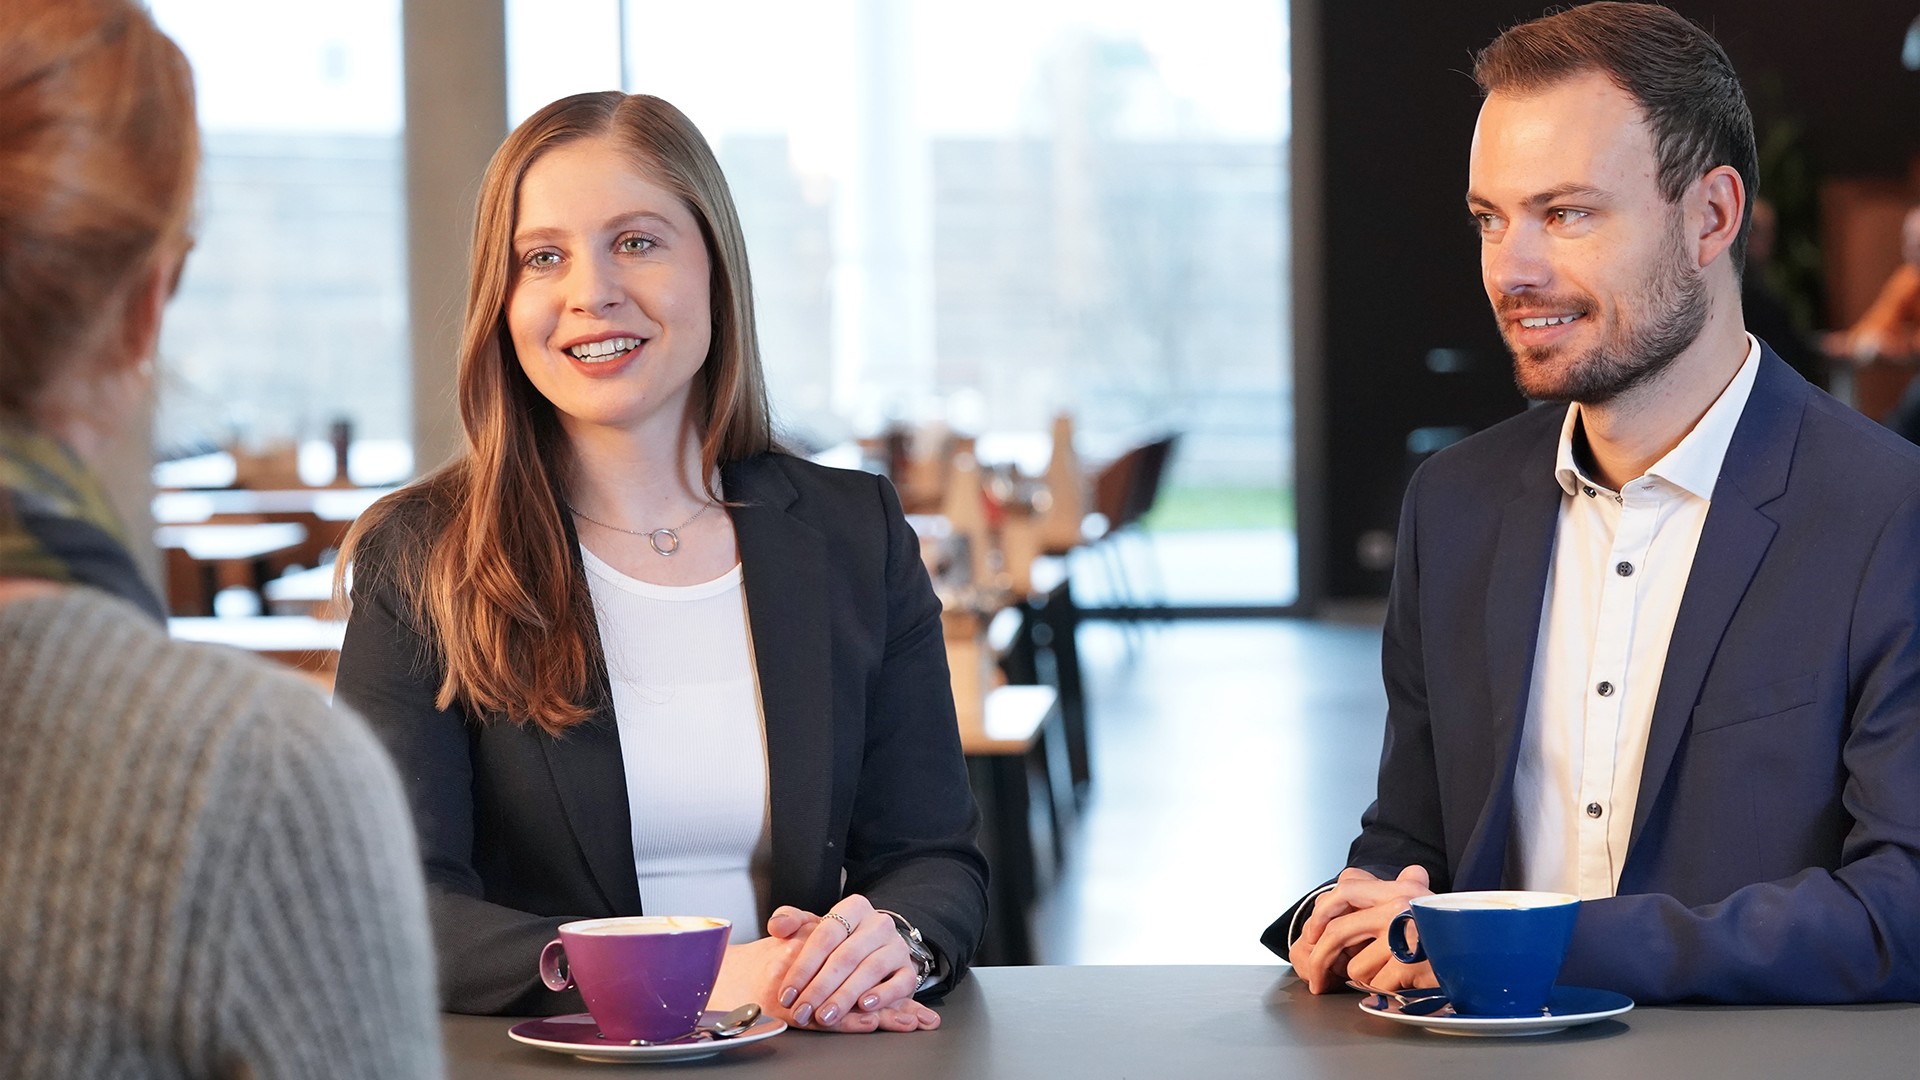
[1694, 464]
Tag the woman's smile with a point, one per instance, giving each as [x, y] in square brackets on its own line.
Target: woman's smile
[609, 307]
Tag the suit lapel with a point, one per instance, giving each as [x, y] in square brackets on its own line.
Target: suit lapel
[1733, 541]
[591, 777]
[784, 571]
[1516, 589]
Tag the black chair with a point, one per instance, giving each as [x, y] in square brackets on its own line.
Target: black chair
[1124, 493]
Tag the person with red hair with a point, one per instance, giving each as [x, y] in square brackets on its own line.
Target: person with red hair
[203, 872]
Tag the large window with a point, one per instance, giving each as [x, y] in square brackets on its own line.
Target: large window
[292, 313]
[981, 214]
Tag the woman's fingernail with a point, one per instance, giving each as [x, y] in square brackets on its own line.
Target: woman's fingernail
[787, 996]
[870, 1002]
[803, 1014]
[829, 1014]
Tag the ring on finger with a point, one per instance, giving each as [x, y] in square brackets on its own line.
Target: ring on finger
[842, 920]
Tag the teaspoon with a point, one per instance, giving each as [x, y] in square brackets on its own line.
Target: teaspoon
[733, 1023]
[1413, 1002]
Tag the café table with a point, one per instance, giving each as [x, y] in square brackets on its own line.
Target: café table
[1225, 1022]
[1005, 736]
[327, 504]
[371, 462]
[230, 543]
[204, 559]
[303, 592]
[309, 645]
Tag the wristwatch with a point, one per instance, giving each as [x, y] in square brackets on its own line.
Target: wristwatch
[923, 959]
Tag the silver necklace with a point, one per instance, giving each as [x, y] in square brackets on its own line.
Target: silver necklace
[663, 541]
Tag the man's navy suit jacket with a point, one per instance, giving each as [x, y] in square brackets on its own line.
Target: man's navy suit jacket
[1775, 850]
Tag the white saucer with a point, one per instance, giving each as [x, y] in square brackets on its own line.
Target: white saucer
[1567, 1006]
[580, 1036]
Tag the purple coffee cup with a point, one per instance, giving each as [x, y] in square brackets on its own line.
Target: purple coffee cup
[645, 978]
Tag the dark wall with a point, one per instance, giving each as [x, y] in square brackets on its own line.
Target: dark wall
[1392, 116]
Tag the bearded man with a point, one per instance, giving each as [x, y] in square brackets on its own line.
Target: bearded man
[1657, 648]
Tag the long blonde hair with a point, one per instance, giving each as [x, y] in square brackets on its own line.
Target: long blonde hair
[479, 552]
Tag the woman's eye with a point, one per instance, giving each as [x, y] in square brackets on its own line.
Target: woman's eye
[540, 260]
[637, 245]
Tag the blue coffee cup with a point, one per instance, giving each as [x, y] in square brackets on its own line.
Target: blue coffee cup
[1495, 953]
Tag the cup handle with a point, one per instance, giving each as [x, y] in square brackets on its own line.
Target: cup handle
[553, 966]
[1396, 940]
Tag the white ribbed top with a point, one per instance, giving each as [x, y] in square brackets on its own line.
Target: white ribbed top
[686, 698]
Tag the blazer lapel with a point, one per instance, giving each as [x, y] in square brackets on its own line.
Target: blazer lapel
[1516, 589]
[591, 777]
[784, 571]
[1732, 543]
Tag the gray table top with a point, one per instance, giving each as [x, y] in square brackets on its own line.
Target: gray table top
[1223, 1022]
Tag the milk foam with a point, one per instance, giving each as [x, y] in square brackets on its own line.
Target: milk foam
[1494, 901]
[647, 924]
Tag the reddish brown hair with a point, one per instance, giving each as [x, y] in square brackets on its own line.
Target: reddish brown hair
[1680, 77]
[491, 570]
[98, 150]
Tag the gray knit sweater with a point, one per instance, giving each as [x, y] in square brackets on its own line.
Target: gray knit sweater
[204, 871]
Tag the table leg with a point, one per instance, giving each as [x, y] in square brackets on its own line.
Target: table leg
[1059, 617]
[1000, 784]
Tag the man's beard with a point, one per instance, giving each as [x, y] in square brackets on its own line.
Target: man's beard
[1656, 325]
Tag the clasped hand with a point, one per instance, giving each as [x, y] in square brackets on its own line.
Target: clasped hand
[816, 971]
[1346, 936]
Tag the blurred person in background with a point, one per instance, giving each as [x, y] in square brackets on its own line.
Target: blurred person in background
[631, 657]
[203, 872]
[1890, 327]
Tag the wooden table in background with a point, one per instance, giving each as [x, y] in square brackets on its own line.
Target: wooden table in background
[303, 592]
[312, 646]
[1014, 745]
[204, 559]
[327, 504]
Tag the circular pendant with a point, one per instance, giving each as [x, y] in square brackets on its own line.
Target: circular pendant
[664, 541]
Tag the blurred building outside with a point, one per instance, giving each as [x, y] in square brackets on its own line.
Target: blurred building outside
[931, 241]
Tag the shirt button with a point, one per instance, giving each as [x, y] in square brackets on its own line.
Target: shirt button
[1605, 689]
[1590, 492]
[1593, 809]
[1624, 569]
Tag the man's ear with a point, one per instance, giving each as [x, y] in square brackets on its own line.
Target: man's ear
[1720, 199]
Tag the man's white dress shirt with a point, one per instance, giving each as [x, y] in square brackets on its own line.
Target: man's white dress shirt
[1620, 566]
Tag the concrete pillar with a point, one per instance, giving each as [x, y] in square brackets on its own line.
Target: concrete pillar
[456, 87]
